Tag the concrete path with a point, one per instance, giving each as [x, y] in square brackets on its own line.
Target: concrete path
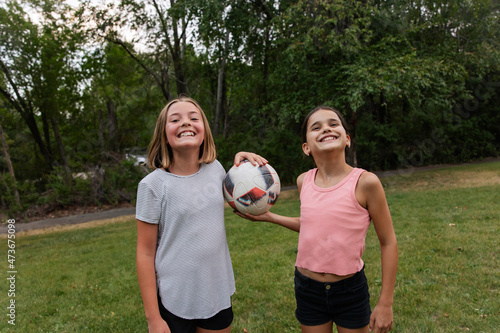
[68, 220]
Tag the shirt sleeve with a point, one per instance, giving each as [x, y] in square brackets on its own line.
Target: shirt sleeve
[148, 206]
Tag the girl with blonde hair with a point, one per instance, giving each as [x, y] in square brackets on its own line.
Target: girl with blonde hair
[183, 264]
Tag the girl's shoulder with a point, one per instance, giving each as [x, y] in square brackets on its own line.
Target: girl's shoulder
[368, 181]
[300, 181]
[153, 176]
[215, 166]
[212, 170]
[302, 177]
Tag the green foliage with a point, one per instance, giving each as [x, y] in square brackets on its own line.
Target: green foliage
[64, 191]
[7, 186]
[120, 182]
[372, 142]
[417, 82]
[109, 184]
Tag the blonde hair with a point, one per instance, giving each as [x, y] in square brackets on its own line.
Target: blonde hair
[159, 151]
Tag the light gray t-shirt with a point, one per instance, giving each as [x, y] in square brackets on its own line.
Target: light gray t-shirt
[193, 267]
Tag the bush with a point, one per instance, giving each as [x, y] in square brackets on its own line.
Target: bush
[120, 182]
[7, 186]
[109, 184]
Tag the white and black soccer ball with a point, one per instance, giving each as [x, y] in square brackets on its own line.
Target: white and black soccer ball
[252, 189]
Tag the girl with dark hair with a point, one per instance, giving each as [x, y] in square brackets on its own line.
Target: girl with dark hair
[338, 202]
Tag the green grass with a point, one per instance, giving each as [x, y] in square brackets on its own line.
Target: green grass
[446, 221]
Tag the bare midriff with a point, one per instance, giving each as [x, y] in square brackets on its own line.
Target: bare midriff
[323, 277]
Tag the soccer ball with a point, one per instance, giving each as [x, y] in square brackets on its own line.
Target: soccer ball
[252, 189]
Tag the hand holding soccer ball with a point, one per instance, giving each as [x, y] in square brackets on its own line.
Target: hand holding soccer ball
[252, 189]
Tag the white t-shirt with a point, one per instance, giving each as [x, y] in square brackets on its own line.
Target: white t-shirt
[193, 267]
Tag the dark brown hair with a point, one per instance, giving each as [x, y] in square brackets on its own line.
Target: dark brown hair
[324, 107]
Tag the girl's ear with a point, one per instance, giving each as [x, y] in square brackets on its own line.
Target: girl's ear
[348, 141]
[306, 149]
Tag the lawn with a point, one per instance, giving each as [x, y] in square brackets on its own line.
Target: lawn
[447, 223]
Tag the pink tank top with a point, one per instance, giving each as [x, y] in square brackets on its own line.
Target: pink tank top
[333, 226]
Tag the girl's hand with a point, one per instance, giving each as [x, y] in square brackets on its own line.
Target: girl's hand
[251, 157]
[381, 319]
[266, 217]
[292, 223]
[158, 326]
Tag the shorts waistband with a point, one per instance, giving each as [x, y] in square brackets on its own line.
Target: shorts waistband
[333, 285]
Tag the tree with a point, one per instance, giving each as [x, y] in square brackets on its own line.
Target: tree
[9, 165]
[236, 39]
[19, 45]
[160, 28]
[120, 97]
[37, 65]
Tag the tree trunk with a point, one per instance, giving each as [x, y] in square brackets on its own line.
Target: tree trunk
[165, 83]
[112, 125]
[220, 92]
[100, 122]
[177, 53]
[31, 122]
[180, 78]
[221, 87]
[352, 149]
[226, 112]
[62, 151]
[9, 165]
[25, 109]
[46, 131]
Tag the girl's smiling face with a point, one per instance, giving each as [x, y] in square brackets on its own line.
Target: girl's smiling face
[325, 132]
[184, 127]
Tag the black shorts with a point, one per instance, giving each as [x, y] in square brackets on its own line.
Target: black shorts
[346, 302]
[220, 321]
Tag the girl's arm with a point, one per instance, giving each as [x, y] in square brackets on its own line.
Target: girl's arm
[251, 157]
[146, 275]
[372, 196]
[292, 223]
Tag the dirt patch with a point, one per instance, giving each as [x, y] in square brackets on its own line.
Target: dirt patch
[290, 193]
[44, 213]
[60, 228]
[469, 179]
[442, 181]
